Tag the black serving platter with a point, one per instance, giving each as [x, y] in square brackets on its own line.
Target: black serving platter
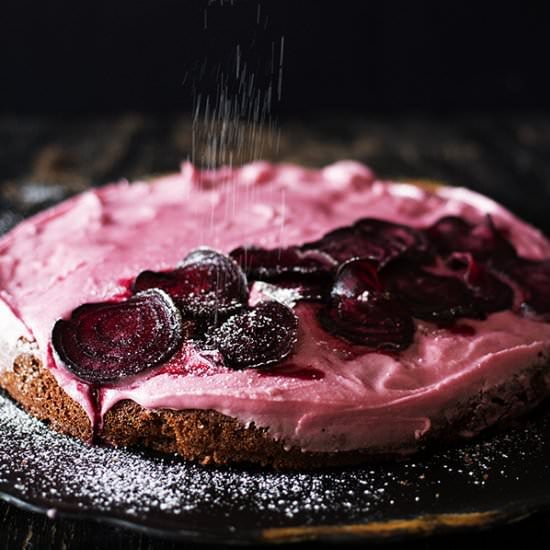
[500, 478]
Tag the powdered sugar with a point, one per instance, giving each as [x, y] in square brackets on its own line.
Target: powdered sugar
[59, 473]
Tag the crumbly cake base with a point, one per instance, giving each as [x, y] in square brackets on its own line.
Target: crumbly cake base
[34, 388]
[210, 437]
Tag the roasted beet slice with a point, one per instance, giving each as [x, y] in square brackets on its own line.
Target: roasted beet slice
[436, 298]
[363, 313]
[263, 264]
[490, 292]
[307, 273]
[206, 284]
[374, 319]
[394, 237]
[533, 279]
[257, 338]
[370, 237]
[483, 240]
[355, 277]
[342, 244]
[106, 341]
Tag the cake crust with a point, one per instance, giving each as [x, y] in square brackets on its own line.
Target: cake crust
[209, 437]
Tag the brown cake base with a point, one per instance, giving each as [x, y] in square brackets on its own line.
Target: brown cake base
[209, 437]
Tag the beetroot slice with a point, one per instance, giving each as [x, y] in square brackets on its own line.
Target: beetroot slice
[308, 273]
[258, 338]
[356, 276]
[533, 279]
[362, 313]
[490, 292]
[106, 341]
[373, 319]
[397, 238]
[435, 298]
[342, 244]
[263, 264]
[377, 239]
[453, 234]
[205, 285]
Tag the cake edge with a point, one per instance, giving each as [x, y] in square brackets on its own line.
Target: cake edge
[210, 437]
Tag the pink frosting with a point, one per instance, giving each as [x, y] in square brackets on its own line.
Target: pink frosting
[84, 249]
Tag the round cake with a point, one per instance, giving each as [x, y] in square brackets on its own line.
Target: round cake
[276, 315]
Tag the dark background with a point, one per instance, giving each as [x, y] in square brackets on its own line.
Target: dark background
[342, 55]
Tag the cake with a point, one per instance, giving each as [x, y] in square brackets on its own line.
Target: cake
[275, 315]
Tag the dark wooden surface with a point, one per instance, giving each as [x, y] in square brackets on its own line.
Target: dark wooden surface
[43, 160]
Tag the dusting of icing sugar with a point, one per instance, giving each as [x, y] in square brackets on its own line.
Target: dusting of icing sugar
[38, 465]
[261, 291]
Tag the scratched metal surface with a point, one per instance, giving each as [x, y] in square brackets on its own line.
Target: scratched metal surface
[45, 160]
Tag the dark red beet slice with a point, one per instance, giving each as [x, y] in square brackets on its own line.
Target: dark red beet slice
[264, 264]
[374, 319]
[369, 237]
[362, 313]
[342, 244]
[307, 272]
[106, 341]
[491, 293]
[484, 240]
[431, 297]
[257, 338]
[355, 277]
[533, 279]
[396, 238]
[206, 284]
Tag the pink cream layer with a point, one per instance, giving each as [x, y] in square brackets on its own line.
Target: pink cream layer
[84, 249]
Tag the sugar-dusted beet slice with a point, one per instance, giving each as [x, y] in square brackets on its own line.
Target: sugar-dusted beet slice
[377, 239]
[532, 278]
[374, 319]
[106, 341]
[491, 293]
[205, 284]
[268, 264]
[258, 338]
[436, 298]
[483, 240]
